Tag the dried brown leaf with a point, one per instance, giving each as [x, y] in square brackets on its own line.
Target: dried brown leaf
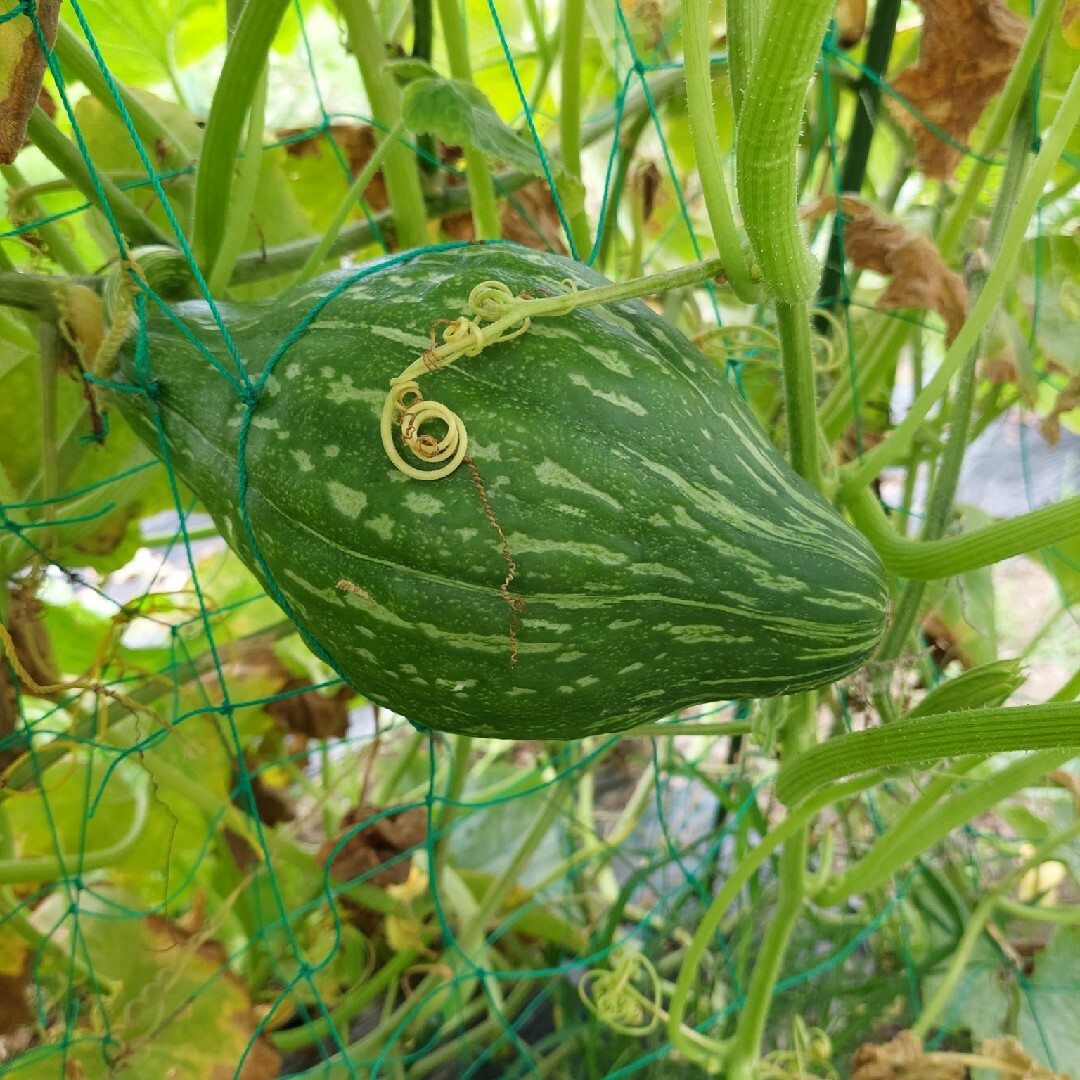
[1070, 22]
[967, 50]
[372, 845]
[356, 141]
[1021, 1066]
[903, 1058]
[312, 713]
[22, 68]
[920, 278]
[1068, 398]
[529, 218]
[16, 969]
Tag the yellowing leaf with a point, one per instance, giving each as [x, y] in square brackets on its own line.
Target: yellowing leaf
[967, 51]
[22, 68]
[920, 278]
[1070, 23]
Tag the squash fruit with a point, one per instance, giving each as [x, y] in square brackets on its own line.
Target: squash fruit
[622, 541]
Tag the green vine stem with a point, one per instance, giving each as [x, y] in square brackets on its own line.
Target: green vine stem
[99, 190]
[928, 560]
[238, 217]
[51, 234]
[745, 22]
[1008, 102]
[924, 739]
[29, 869]
[929, 820]
[570, 110]
[400, 168]
[699, 102]
[1001, 275]
[485, 214]
[244, 64]
[681, 1037]
[944, 993]
[766, 141]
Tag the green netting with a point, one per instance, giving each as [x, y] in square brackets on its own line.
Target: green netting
[216, 860]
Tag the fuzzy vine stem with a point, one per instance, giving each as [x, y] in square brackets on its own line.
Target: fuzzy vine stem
[699, 101]
[1001, 275]
[766, 140]
[570, 110]
[481, 188]
[745, 21]
[400, 169]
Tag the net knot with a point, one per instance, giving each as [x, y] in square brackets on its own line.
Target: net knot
[23, 7]
[249, 396]
[152, 389]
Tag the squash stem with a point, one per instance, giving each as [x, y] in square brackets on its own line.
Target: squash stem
[745, 21]
[400, 168]
[570, 110]
[699, 101]
[485, 214]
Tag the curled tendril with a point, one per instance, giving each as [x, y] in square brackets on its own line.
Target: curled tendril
[408, 409]
[491, 300]
[613, 999]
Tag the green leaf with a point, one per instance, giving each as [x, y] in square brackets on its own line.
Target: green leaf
[1047, 1026]
[459, 114]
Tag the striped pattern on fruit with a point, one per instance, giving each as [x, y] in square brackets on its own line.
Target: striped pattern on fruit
[663, 554]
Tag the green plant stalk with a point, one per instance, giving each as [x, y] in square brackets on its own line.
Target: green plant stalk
[1056, 915]
[384, 792]
[546, 51]
[322, 250]
[570, 110]
[699, 103]
[946, 989]
[1008, 102]
[77, 60]
[929, 821]
[1070, 689]
[766, 142]
[947, 475]
[923, 739]
[792, 885]
[244, 64]
[745, 23]
[443, 823]
[1001, 275]
[49, 355]
[99, 190]
[837, 410]
[31, 869]
[58, 247]
[354, 1000]
[485, 214]
[628, 140]
[242, 201]
[400, 168]
[928, 560]
[797, 820]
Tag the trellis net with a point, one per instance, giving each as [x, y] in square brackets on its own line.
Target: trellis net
[216, 859]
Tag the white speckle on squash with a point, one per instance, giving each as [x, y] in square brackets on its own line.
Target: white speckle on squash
[346, 499]
[566, 689]
[568, 658]
[267, 423]
[587, 680]
[420, 502]
[382, 526]
[303, 460]
[331, 450]
[636, 666]
[623, 624]
[292, 370]
[620, 401]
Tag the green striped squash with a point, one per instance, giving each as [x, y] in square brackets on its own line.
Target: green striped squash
[664, 554]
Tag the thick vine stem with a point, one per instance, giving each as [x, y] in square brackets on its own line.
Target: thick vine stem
[699, 102]
[928, 560]
[767, 134]
[507, 317]
[745, 20]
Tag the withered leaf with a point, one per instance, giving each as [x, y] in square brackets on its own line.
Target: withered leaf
[1068, 398]
[903, 1058]
[312, 713]
[16, 969]
[1021, 1066]
[920, 278]
[22, 68]
[850, 18]
[529, 218]
[356, 141]
[967, 50]
[368, 846]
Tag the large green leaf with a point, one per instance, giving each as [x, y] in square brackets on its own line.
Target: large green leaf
[1047, 1026]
